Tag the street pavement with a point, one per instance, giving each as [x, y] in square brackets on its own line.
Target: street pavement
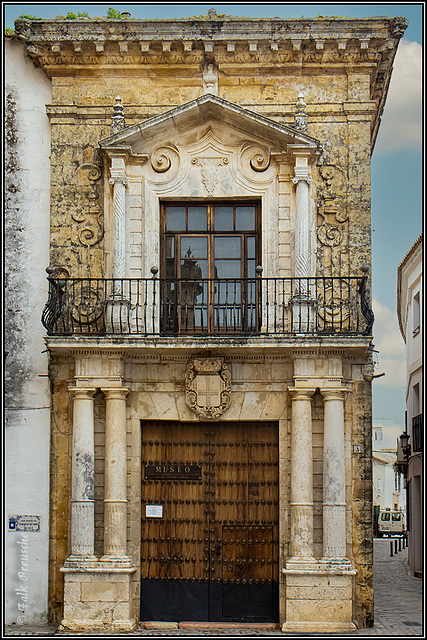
[398, 608]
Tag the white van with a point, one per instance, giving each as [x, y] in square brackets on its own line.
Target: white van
[391, 523]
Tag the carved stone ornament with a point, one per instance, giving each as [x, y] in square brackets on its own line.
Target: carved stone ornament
[329, 235]
[333, 196]
[368, 371]
[210, 171]
[208, 387]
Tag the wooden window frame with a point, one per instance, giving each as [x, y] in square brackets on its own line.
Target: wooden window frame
[173, 270]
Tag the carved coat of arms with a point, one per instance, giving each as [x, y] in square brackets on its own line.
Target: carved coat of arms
[208, 387]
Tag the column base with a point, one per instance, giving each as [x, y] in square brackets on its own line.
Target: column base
[117, 561]
[303, 563]
[319, 597]
[98, 599]
[341, 564]
[81, 561]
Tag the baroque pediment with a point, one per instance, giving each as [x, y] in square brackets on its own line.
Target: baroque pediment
[208, 110]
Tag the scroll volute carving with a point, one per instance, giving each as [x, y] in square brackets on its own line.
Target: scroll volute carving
[333, 199]
[87, 212]
[255, 161]
[165, 160]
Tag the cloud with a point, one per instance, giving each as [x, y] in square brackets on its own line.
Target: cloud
[389, 343]
[401, 123]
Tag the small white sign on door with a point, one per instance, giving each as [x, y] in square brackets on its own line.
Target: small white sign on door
[154, 511]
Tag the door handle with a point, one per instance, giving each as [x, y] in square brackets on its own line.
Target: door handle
[218, 549]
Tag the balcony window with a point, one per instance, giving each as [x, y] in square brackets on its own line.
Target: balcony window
[209, 255]
[417, 433]
[416, 314]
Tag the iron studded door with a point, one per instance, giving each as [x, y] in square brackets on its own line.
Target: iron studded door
[209, 547]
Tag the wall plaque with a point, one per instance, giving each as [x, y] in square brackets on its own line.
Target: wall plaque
[180, 471]
[24, 523]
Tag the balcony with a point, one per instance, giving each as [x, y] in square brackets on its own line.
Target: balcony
[314, 307]
[417, 433]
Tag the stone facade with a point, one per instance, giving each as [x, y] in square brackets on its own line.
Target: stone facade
[149, 113]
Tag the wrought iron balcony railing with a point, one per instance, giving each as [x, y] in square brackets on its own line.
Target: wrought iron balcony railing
[234, 307]
[417, 433]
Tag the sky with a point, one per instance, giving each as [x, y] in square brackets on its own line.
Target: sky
[397, 197]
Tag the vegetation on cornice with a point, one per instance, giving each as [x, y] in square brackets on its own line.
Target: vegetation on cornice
[114, 14]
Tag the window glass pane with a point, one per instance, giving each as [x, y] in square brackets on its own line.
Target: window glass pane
[170, 268]
[227, 269]
[223, 219]
[170, 244]
[194, 269]
[251, 247]
[227, 247]
[197, 218]
[194, 247]
[251, 269]
[245, 218]
[175, 218]
[385, 517]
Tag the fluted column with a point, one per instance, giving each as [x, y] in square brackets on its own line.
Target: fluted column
[334, 503]
[115, 493]
[83, 478]
[301, 477]
[302, 244]
[301, 231]
[119, 181]
[302, 313]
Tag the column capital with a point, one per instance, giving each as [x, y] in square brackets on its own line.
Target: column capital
[82, 392]
[119, 179]
[115, 393]
[301, 393]
[304, 178]
[339, 393]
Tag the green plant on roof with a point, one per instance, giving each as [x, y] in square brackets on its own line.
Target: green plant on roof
[72, 16]
[114, 14]
[25, 17]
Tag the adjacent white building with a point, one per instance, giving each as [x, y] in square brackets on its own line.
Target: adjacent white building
[27, 393]
[409, 310]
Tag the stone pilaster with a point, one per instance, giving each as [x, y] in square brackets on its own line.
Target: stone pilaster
[119, 181]
[302, 245]
[334, 506]
[301, 506]
[115, 495]
[83, 479]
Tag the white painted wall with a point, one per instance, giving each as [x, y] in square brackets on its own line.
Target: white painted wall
[27, 400]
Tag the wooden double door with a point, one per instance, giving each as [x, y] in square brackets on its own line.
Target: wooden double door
[209, 543]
